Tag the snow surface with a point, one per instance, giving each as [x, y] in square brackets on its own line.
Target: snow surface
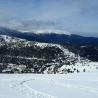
[81, 85]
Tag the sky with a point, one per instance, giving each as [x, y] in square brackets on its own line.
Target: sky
[75, 16]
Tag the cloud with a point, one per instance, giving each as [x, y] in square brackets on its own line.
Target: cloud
[71, 15]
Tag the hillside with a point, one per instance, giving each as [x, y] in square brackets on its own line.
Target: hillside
[86, 47]
[22, 56]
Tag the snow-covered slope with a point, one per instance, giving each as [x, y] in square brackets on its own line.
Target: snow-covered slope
[84, 85]
[22, 56]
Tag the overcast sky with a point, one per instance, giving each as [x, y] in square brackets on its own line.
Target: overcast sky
[75, 16]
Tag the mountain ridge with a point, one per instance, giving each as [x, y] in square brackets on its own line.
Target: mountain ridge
[22, 56]
[51, 37]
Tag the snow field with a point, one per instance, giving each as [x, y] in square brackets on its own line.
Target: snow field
[82, 85]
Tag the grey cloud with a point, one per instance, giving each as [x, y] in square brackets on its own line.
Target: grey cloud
[71, 15]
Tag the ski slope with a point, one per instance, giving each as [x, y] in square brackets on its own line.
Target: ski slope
[81, 85]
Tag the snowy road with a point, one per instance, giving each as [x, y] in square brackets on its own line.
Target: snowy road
[82, 85]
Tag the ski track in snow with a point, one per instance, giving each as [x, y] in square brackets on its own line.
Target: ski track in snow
[27, 86]
[32, 93]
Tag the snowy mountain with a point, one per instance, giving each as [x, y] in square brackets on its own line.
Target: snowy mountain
[86, 47]
[22, 56]
[51, 36]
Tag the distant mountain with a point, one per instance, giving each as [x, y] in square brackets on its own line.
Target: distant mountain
[51, 37]
[84, 46]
